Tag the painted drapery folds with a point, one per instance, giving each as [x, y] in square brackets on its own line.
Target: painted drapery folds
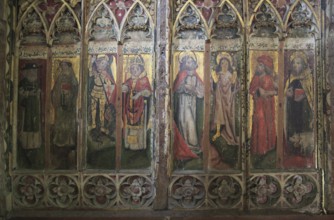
[102, 91]
[31, 92]
[263, 89]
[188, 110]
[242, 115]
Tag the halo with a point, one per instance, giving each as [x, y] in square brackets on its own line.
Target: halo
[224, 55]
[299, 54]
[184, 54]
[102, 56]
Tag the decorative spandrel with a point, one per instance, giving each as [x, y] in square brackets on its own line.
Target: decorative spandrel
[225, 111]
[64, 99]
[101, 111]
[31, 114]
[207, 8]
[238, 4]
[188, 110]
[49, 8]
[299, 148]
[137, 92]
[120, 8]
[262, 119]
[283, 6]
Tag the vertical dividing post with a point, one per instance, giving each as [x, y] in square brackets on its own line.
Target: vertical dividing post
[280, 106]
[162, 104]
[119, 105]
[82, 110]
[207, 90]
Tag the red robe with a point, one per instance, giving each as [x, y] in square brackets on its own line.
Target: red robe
[135, 108]
[263, 136]
[181, 149]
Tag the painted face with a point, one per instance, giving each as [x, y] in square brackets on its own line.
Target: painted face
[260, 68]
[101, 64]
[224, 65]
[65, 67]
[32, 75]
[135, 70]
[298, 65]
[190, 64]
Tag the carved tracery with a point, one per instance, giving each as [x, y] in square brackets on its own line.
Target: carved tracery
[226, 24]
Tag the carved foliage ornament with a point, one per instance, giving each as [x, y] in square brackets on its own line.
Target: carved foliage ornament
[189, 25]
[102, 25]
[187, 192]
[137, 25]
[62, 191]
[224, 192]
[300, 190]
[28, 191]
[136, 191]
[100, 192]
[226, 24]
[32, 29]
[301, 22]
[264, 191]
[66, 30]
[265, 23]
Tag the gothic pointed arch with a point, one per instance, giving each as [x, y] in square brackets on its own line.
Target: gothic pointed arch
[190, 24]
[31, 27]
[301, 20]
[265, 21]
[227, 22]
[102, 24]
[137, 24]
[65, 26]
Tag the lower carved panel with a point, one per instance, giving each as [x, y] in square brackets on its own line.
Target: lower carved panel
[28, 191]
[78, 191]
[206, 192]
[288, 191]
[136, 191]
[99, 192]
[187, 192]
[300, 190]
[264, 191]
[225, 192]
[63, 191]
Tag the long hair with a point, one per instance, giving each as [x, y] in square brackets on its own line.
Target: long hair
[219, 66]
